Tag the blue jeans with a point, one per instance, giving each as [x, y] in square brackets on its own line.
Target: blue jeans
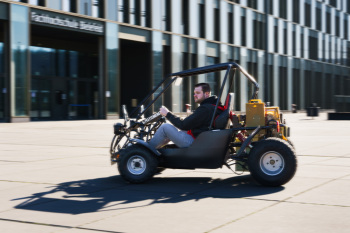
[168, 132]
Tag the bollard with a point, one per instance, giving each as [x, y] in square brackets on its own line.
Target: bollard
[294, 108]
[313, 110]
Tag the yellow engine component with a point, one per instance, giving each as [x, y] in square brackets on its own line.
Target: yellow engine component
[255, 116]
[273, 113]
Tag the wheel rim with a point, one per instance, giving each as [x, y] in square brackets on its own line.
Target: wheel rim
[272, 163]
[136, 165]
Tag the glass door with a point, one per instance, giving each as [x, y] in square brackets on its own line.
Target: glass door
[41, 100]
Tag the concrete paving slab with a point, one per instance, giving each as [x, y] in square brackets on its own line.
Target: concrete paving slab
[187, 214]
[321, 171]
[245, 187]
[332, 193]
[15, 226]
[307, 160]
[6, 185]
[83, 206]
[58, 173]
[291, 217]
[343, 162]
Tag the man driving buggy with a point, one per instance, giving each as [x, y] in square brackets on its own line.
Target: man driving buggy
[183, 132]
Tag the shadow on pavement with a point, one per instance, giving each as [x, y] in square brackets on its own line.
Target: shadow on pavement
[112, 193]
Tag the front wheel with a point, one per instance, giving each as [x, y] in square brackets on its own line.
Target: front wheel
[272, 162]
[137, 164]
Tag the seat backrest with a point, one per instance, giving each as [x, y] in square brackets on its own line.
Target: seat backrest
[222, 120]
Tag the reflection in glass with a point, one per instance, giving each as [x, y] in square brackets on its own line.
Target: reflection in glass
[40, 94]
[2, 82]
[112, 67]
[213, 78]
[98, 8]
[157, 49]
[1, 58]
[85, 7]
[62, 63]
[19, 51]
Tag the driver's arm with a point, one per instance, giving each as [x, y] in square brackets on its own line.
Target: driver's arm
[195, 120]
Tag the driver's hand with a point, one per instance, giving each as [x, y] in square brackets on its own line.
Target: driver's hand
[163, 111]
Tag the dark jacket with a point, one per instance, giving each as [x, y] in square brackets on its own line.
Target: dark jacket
[199, 120]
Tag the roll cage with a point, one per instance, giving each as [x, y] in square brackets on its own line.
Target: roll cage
[230, 68]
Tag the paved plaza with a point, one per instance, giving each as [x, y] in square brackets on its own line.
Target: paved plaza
[57, 177]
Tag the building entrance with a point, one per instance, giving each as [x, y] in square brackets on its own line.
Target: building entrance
[3, 88]
[64, 75]
[135, 72]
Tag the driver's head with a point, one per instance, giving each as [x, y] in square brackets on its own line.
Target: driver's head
[201, 92]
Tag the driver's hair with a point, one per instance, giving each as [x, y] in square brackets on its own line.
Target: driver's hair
[205, 87]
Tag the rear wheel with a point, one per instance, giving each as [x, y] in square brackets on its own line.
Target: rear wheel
[137, 164]
[272, 162]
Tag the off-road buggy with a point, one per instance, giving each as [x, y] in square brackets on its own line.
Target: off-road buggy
[256, 141]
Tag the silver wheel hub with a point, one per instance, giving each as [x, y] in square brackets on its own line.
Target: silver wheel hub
[136, 165]
[272, 163]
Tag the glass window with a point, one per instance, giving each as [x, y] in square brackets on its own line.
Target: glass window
[313, 45]
[294, 38]
[302, 42]
[243, 27]
[166, 15]
[157, 50]
[252, 68]
[276, 36]
[330, 50]
[259, 33]
[319, 16]
[285, 41]
[346, 25]
[270, 7]
[328, 20]
[307, 14]
[216, 23]
[185, 16]
[324, 47]
[296, 83]
[85, 7]
[112, 67]
[19, 29]
[98, 8]
[230, 19]
[283, 9]
[46, 58]
[213, 78]
[337, 23]
[201, 19]
[252, 4]
[333, 3]
[348, 54]
[296, 11]
[283, 77]
[2, 61]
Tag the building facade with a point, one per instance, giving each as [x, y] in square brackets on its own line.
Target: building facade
[83, 59]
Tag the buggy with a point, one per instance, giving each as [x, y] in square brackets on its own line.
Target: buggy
[256, 141]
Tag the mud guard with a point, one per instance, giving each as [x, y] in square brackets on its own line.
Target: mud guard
[145, 144]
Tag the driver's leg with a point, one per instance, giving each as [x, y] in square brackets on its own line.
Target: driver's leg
[168, 132]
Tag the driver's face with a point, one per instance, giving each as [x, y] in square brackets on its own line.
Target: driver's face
[199, 96]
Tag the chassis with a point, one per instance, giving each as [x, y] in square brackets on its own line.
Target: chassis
[256, 141]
